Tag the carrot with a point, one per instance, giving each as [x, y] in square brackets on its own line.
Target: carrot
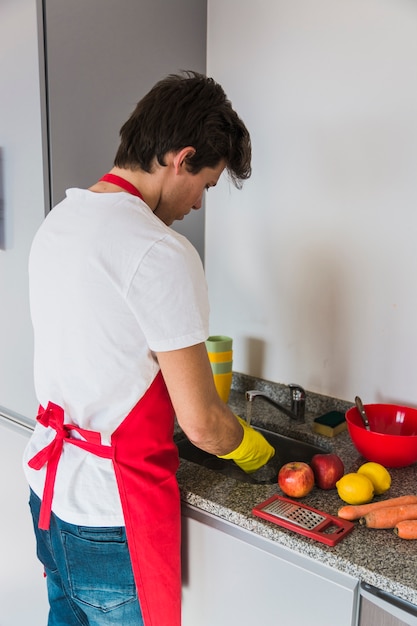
[407, 529]
[389, 516]
[352, 511]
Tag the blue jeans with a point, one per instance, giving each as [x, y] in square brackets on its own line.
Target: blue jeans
[88, 573]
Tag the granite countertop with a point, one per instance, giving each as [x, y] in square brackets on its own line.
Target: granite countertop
[377, 557]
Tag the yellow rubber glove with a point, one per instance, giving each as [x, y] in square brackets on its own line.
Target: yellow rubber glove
[253, 451]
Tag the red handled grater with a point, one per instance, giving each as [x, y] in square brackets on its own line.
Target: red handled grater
[304, 519]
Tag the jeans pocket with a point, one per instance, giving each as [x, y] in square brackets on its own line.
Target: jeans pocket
[43, 537]
[99, 567]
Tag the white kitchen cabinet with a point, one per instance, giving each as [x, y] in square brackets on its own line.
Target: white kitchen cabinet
[232, 576]
[23, 598]
[22, 193]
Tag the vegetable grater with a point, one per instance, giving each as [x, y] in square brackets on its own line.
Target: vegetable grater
[304, 519]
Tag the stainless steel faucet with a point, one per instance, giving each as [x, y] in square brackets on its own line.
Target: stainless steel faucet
[298, 400]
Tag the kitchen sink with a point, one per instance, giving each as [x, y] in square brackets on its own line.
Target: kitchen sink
[286, 449]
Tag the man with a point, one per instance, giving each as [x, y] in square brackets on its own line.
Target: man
[120, 315]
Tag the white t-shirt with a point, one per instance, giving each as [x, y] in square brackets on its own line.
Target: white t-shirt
[110, 284]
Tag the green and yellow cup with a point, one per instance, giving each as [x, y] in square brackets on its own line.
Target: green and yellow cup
[220, 353]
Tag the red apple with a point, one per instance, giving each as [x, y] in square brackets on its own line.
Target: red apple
[328, 469]
[296, 479]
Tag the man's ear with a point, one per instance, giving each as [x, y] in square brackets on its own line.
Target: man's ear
[181, 157]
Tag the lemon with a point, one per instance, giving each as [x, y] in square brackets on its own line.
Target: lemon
[355, 488]
[378, 475]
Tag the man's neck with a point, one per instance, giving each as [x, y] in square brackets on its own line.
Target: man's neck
[145, 183]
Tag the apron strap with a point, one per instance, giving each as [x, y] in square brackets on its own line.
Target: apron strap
[121, 182]
[53, 416]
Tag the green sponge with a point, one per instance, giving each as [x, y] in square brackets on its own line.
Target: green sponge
[330, 424]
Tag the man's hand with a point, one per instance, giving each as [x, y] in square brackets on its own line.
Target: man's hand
[253, 452]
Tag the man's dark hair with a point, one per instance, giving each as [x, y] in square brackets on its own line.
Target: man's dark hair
[187, 109]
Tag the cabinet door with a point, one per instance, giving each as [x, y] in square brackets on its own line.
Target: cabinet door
[229, 580]
[22, 195]
[23, 598]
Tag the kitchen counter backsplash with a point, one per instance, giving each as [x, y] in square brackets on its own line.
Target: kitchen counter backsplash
[316, 403]
[267, 416]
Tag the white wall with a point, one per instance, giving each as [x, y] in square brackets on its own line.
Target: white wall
[21, 146]
[312, 267]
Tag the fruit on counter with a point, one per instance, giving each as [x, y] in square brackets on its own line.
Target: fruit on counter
[328, 469]
[353, 512]
[378, 475]
[407, 529]
[389, 516]
[355, 488]
[296, 479]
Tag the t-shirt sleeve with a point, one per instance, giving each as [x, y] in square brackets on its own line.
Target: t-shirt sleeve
[168, 295]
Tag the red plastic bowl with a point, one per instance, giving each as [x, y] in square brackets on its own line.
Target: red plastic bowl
[392, 440]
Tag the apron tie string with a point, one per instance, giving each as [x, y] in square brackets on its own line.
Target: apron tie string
[53, 416]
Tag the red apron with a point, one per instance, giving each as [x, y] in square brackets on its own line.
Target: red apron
[145, 461]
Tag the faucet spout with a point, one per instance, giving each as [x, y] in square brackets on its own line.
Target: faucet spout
[298, 398]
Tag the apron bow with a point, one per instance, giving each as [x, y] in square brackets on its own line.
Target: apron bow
[53, 416]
